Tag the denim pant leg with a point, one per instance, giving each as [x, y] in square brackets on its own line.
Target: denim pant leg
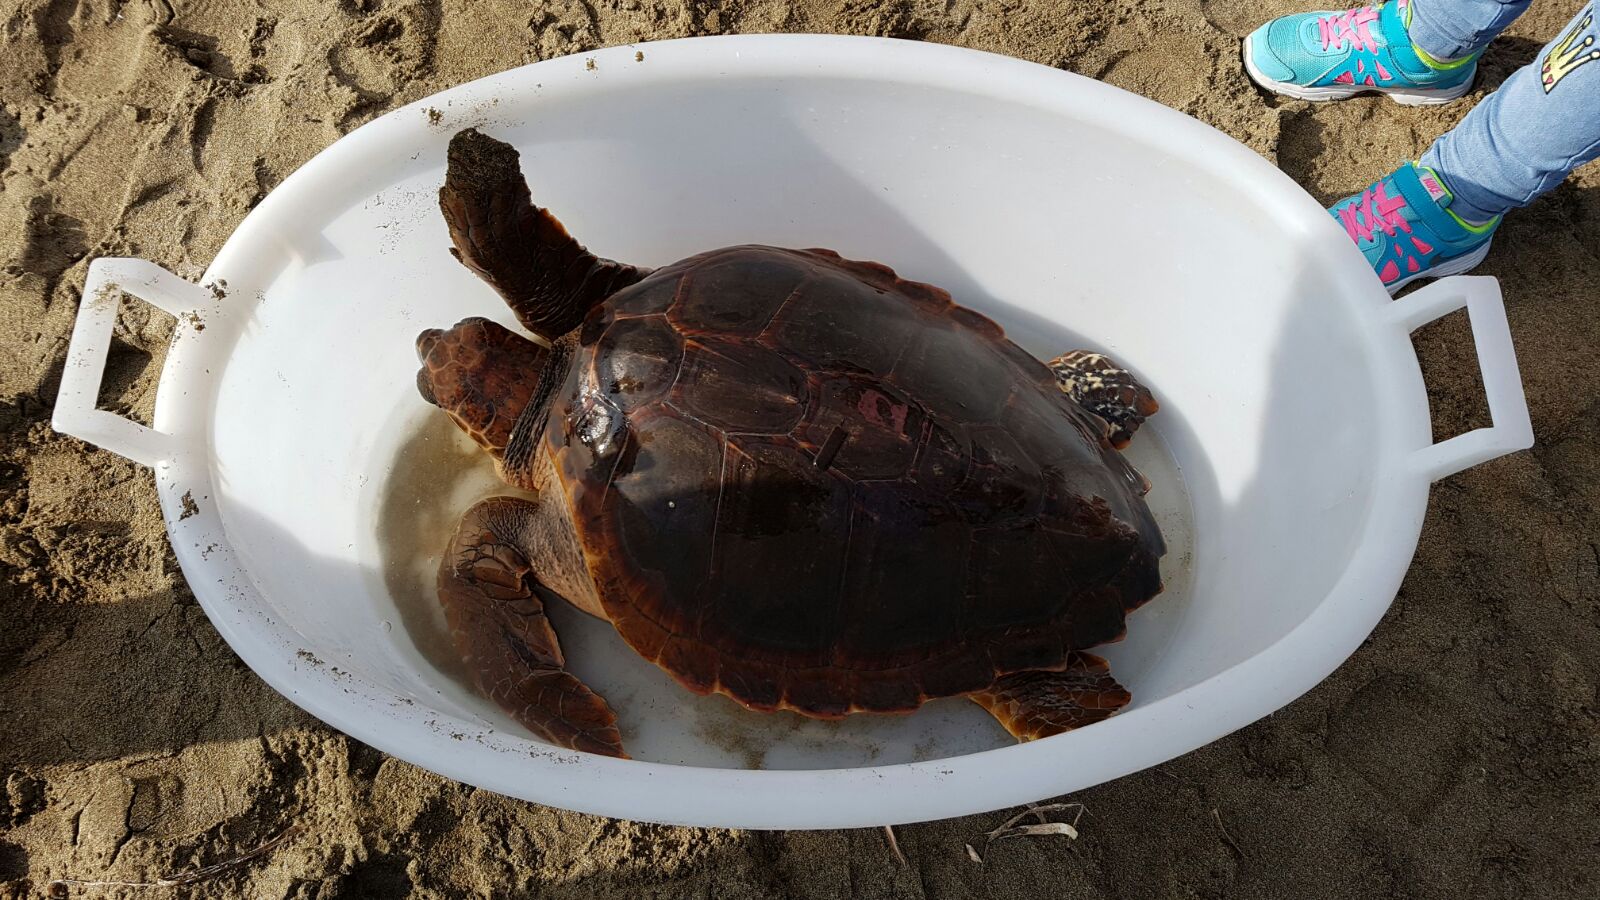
[1526, 137]
[1451, 29]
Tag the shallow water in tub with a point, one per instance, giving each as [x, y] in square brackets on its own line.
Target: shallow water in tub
[438, 473]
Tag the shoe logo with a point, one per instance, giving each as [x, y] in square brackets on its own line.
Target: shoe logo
[1570, 53]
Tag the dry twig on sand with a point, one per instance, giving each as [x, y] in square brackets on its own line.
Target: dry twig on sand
[1216, 816]
[59, 887]
[1013, 826]
[894, 845]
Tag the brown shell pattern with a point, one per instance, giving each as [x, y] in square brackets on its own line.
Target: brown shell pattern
[809, 484]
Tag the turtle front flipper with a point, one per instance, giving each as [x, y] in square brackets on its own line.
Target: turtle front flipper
[1107, 390]
[1033, 705]
[521, 250]
[500, 628]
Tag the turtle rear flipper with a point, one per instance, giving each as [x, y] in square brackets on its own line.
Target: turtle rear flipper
[498, 621]
[521, 250]
[1033, 705]
[1107, 390]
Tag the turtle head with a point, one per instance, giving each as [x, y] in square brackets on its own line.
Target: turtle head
[485, 376]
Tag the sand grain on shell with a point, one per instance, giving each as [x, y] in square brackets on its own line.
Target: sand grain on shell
[1456, 755]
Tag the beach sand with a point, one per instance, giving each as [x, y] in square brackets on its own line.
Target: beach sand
[1455, 755]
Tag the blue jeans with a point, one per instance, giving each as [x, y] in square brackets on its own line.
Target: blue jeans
[1526, 137]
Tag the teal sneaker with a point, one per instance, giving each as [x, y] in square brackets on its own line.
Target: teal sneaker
[1334, 55]
[1404, 225]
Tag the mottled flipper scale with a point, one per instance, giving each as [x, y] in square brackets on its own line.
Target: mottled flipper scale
[1107, 390]
[1033, 705]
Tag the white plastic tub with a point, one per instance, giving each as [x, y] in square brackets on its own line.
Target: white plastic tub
[307, 488]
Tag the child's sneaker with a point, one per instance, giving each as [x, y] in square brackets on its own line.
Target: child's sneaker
[1404, 225]
[1334, 55]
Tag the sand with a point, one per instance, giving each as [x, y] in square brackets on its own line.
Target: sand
[1456, 754]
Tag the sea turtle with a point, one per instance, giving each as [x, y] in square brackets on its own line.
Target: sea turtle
[782, 475]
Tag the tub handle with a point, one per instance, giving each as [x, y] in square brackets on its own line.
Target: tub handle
[76, 412]
[1497, 360]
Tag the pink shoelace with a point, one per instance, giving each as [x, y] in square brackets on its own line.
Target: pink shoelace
[1375, 210]
[1349, 26]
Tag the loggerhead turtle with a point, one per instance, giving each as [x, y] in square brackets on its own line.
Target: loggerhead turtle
[782, 475]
